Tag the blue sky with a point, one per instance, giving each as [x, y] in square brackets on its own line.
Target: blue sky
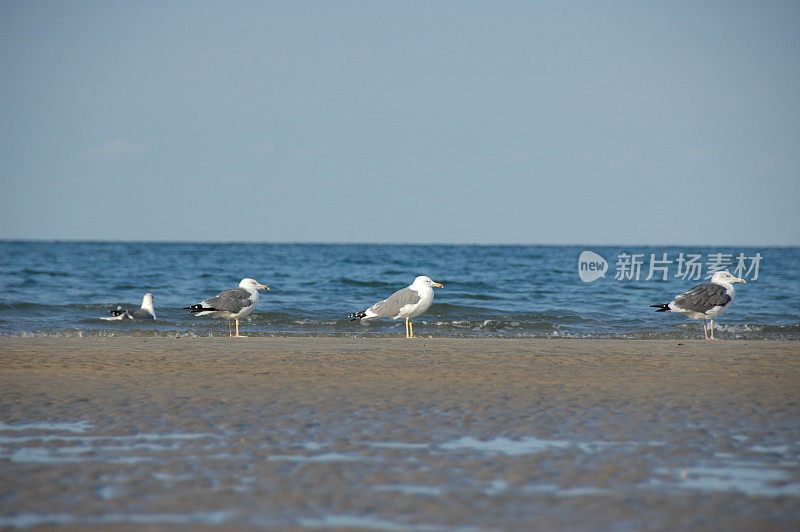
[485, 122]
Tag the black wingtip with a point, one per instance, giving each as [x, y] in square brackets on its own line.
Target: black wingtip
[664, 307]
[357, 315]
[197, 308]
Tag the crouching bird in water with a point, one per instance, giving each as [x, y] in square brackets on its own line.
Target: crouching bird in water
[146, 312]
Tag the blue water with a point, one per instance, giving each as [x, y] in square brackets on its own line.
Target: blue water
[64, 288]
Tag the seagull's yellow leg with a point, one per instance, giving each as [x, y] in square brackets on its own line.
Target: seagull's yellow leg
[411, 327]
[230, 332]
[712, 330]
[237, 331]
[407, 328]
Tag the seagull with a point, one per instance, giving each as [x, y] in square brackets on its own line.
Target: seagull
[147, 312]
[705, 301]
[232, 304]
[408, 302]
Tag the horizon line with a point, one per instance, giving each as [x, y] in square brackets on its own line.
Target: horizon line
[378, 243]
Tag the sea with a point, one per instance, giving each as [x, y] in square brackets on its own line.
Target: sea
[65, 288]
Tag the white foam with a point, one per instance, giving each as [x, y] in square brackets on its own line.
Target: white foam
[69, 426]
[69, 448]
[168, 477]
[67, 455]
[505, 446]
[771, 449]
[558, 491]
[496, 487]
[532, 445]
[411, 489]
[754, 481]
[324, 457]
[31, 520]
[357, 521]
[397, 445]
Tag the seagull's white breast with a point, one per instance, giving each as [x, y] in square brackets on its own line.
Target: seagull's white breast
[411, 311]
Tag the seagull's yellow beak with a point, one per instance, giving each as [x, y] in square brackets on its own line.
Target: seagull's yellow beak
[438, 284]
[740, 281]
[263, 287]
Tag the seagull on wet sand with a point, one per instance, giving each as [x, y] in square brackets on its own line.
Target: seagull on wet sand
[705, 301]
[408, 302]
[233, 304]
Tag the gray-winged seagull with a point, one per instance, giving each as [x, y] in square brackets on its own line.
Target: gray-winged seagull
[705, 301]
[408, 302]
[232, 304]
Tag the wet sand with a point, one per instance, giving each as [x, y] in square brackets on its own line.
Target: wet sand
[396, 434]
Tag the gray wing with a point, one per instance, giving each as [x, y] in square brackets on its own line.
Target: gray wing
[140, 314]
[703, 297]
[232, 300]
[390, 307]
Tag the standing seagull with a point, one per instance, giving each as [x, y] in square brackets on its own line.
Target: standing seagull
[408, 302]
[147, 312]
[705, 301]
[232, 304]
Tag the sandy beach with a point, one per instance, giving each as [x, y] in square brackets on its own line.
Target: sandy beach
[396, 434]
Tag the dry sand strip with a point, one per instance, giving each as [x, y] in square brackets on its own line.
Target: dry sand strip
[691, 370]
[45, 377]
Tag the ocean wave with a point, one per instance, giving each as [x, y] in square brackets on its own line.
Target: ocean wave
[445, 319]
[52, 273]
[486, 328]
[33, 306]
[348, 281]
[105, 333]
[21, 305]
